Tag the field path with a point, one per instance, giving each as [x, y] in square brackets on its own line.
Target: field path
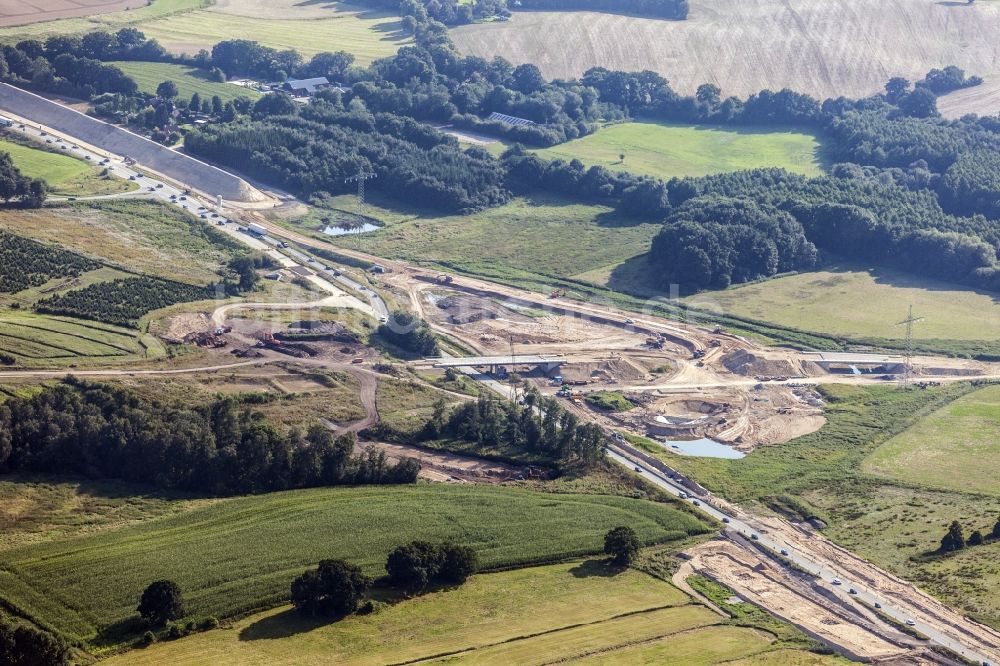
[823, 47]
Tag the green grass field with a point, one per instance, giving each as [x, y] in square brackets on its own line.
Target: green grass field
[532, 615]
[955, 448]
[241, 554]
[540, 236]
[66, 176]
[851, 301]
[189, 80]
[365, 33]
[665, 150]
[142, 236]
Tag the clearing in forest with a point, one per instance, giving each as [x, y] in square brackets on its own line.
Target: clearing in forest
[665, 151]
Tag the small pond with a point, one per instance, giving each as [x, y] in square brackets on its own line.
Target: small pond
[703, 448]
[349, 231]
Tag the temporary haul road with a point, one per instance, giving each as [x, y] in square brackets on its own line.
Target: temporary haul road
[808, 551]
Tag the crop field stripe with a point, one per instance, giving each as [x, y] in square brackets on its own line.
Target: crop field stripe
[94, 348]
[30, 349]
[103, 342]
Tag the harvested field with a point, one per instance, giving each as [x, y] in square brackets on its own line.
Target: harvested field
[826, 49]
[23, 12]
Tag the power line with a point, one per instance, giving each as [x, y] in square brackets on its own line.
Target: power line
[360, 179]
[910, 320]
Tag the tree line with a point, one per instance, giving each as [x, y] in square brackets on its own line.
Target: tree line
[539, 426]
[220, 448]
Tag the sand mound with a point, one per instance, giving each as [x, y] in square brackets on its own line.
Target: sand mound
[742, 362]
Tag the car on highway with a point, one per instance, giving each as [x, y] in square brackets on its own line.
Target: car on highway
[852, 591]
[358, 361]
[630, 321]
[911, 623]
[837, 581]
[784, 552]
[182, 198]
[725, 519]
[152, 189]
[638, 469]
[696, 502]
[755, 537]
[383, 320]
[878, 605]
[159, 185]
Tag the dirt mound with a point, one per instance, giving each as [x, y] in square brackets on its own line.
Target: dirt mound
[178, 328]
[743, 362]
[616, 369]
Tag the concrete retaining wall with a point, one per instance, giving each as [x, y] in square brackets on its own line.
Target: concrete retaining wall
[181, 168]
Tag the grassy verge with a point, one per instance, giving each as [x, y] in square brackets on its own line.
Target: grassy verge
[609, 401]
[65, 175]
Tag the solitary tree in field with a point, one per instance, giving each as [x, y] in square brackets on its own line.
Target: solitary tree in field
[161, 602]
[622, 543]
[954, 539]
[335, 588]
[976, 538]
[996, 530]
[167, 90]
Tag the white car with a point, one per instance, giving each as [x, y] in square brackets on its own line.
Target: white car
[837, 581]
[911, 623]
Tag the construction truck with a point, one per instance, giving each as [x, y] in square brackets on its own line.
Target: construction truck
[444, 279]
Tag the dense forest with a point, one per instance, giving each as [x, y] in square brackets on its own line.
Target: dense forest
[221, 447]
[26, 263]
[319, 148]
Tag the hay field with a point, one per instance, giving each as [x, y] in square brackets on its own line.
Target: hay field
[60, 18]
[955, 448]
[848, 47]
[665, 151]
[23, 12]
[284, 24]
[524, 616]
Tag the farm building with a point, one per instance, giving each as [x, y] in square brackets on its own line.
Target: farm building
[513, 121]
[306, 86]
